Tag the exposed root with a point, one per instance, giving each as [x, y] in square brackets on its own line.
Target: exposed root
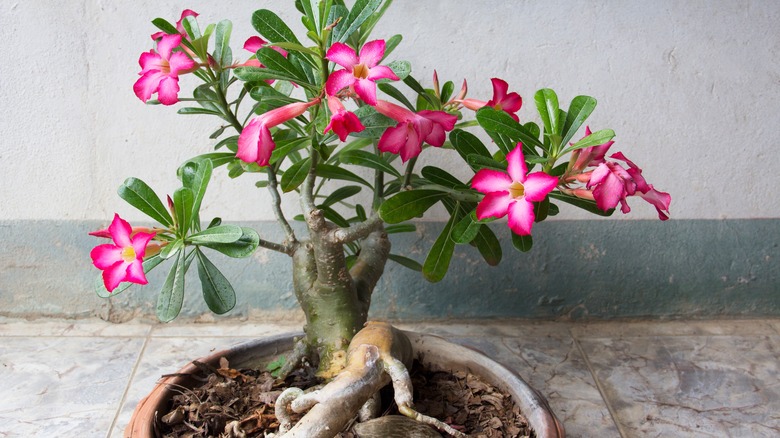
[377, 355]
[301, 351]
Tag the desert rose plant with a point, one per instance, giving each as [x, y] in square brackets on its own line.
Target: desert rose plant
[302, 117]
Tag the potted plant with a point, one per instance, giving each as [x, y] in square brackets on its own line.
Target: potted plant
[298, 114]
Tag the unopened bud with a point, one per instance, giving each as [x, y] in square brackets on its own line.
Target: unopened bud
[436, 88]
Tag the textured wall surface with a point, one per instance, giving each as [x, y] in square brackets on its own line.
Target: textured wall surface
[692, 89]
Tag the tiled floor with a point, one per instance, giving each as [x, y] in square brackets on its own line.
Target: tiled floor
[631, 379]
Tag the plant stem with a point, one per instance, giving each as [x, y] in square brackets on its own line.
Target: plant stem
[277, 207]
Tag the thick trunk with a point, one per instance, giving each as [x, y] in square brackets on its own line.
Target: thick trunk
[335, 300]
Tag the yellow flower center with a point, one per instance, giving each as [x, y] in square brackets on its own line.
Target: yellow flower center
[128, 254]
[165, 67]
[516, 190]
[360, 71]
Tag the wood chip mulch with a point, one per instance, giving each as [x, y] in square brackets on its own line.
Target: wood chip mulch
[240, 404]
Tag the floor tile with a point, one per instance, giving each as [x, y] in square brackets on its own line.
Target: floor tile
[63, 386]
[692, 386]
[553, 365]
[69, 328]
[635, 329]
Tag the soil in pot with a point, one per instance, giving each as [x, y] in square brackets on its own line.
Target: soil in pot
[240, 403]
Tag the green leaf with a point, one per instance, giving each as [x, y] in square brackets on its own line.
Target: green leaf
[275, 61]
[522, 243]
[217, 158]
[391, 44]
[312, 11]
[257, 74]
[230, 142]
[241, 248]
[500, 122]
[488, 245]
[340, 194]
[273, 28]
[438, 260]
[375, 124]
[171, 249]
[195, 110]
[333, 216]
[396, 94]
[466, 230]
[584, 204]
[478, 162]
[100, 287]
[402, 69]
[138, 194]
[594, 139]
[441, 177]
[406, 262]
[172, 294]
[295, 175]
[195, 175]
[165, 26]
[370, 160]
[466, 143]
[401, 228]
[541, 209]
[275, 366]
[547, 105]
[409, 204]
[414, 85]
[284, 148]
[580, 109]
[222, 53]
[217, 291]
[335, 172]
[217, 234]
[183, 200]
[293, 47]
[360, 12]
[270, 96]
[446, 91]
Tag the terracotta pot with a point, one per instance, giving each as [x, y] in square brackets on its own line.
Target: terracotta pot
[435, 352]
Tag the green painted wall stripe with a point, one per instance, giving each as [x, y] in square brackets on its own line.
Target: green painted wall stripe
[577, 269]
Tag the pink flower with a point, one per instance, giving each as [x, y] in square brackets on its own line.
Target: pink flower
[407, 137]
[122, 260]
[255, 143]
[184, 14]
[359, 72]
[160, 71]
[342, 122]
[512, 193]
[591, 156]
[509, 102]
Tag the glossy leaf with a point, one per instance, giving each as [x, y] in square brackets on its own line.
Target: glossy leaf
[340, 194]
[171, 249]
[580, 109]
[375, 124]
[409, 204]
[466, 143]
[275, 61]
[217, 234]
[138, 194]
[488, 245]
[335, 172]
[295, 175]
[478, 162]
[273, 28]
[547, 105]
[222, 53]
[217, 290]
[360, 12]
[370, 160]
[465, 230]
[183, 199]
[165, 26]
[441, 177]
[594, 139]
[541, 209]
[172, 294]
[402, 69]
[438, 260]
[195, 110]
[401, 228]
[584, 204]
[285, 148]
[406, 262]
[241, 248]
[499, 121]
[396, 94]
[522, 243]
[100, 287]
[196, 175]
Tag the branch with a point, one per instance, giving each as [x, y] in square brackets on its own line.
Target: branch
[277, 206]
[357, 231]
[285, 249]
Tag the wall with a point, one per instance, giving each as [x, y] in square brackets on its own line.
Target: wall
[692, 89]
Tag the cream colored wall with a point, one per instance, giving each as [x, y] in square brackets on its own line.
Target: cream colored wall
[692, 88]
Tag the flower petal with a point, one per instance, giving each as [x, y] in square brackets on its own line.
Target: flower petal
[168, 90]
[660, 200]
[381, 72]
[150, 61]
[140, 241]
[393, 138]
[372, 52]
[494, 204]
[608, 192]
[342, 55]
[135, 273]
[180, 63]
[114, 274]
[338, 80]
[120, 231]
[500, 87]
[489, 180]
[103, 256]
[248, 140]
[147, 84]
[516, 167]
[253, 44]
[521, 217]
[538, 185]
[167, 44]
[366, 90]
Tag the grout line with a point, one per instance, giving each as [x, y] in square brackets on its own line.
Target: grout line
[130, 380]
[596, 380]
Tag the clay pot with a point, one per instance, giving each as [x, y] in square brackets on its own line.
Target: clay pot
[435, 352]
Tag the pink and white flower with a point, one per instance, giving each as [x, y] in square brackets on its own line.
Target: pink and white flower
[342, 122]
[255, 143]
[512, 193]
[122, 260]
[406, 138]
[160, 71]
[360, 72]
[509, 102]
